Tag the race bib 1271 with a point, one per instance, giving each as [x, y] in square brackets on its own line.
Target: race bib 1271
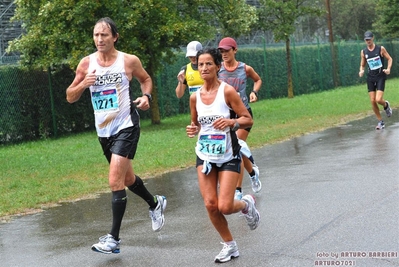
[105, 101]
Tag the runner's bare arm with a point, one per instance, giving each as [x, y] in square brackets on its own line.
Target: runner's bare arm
[82, 80]
[386, 55]
[134, 69]
[251, 73]
[362, 64]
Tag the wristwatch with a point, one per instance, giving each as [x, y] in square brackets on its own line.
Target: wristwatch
[149, 97]
[236, 126]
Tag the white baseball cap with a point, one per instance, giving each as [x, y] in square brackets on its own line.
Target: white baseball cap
[192, 48]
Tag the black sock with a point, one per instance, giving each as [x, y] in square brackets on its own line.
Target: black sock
[239, 189]
[139, 189]
[119, 200]
[251, 159]
[252, 173]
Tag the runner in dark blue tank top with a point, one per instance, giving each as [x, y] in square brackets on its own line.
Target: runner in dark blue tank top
[374, 56]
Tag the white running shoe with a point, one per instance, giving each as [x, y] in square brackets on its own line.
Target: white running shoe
[238, 195]
[107, 245]
[157, 216]
[388, 109]
[252, 216]
[255, 182]
[227, 253]
[380, 125]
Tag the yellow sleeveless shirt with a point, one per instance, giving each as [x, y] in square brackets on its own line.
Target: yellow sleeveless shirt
[193, 78]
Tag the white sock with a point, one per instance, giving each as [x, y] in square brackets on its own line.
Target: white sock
[230, 243]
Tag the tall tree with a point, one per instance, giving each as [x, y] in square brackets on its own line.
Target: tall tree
[333, 48]
[231, 17]
[280, 16]
[351, 18]
[387, 22]
[59, 32]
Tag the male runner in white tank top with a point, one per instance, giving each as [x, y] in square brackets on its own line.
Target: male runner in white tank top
[107, 73]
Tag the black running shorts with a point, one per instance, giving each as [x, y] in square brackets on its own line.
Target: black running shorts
[124, 143]
[233, 165]
[376, 83]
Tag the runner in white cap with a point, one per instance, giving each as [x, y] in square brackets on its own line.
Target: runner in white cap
[189, 75]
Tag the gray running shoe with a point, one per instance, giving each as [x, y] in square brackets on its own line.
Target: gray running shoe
[227, 253]
[107, 245]
[388, 109]
[255, 182]
[380, 125]
[157, 216]
[252, 216]
[238, 195]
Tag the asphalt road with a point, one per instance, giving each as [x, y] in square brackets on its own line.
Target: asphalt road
[329, 198]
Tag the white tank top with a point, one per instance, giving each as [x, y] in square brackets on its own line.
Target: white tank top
[213, 145]
[110, 96]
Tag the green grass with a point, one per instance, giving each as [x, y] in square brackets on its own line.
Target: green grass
[43, 173]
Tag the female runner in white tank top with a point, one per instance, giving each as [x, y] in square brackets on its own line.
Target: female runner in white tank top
[218, 151]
